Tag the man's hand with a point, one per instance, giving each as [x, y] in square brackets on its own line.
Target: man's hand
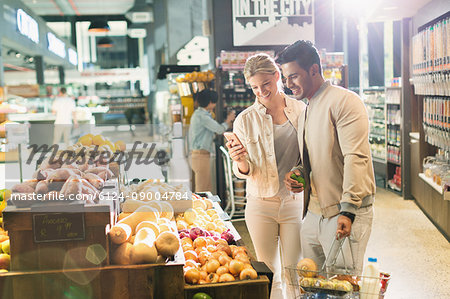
[344, 227]
[291, 184]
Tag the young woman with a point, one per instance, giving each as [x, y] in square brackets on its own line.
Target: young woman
[268, 149]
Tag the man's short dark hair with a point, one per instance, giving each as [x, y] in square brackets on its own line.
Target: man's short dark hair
[303, 52]
[63, 90]
[206, 96]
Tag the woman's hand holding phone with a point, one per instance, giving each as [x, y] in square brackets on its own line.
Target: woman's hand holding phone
[237, 151]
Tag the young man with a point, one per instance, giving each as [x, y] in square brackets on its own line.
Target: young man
[64, 108]
[201, 134]
[334, 145]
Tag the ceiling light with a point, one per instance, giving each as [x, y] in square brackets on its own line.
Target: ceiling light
[105, 42]
[141, 12]
[18, 55]
[29, 59]
[99, 26]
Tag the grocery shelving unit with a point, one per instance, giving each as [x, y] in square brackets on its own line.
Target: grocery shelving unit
[393, 138]
[374, 99]
[430, 77]
[384, 108]
[118, 105]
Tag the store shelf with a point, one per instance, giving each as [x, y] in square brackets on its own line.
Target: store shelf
[396, 191]
[378, 119]
[430, 182]
[375, 106]
[393, 144]
[377, 135]
[378, 160]
[395, 163]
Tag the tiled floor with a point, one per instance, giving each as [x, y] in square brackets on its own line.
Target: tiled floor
[407, 245]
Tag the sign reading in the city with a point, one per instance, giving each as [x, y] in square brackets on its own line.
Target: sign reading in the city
[27, 26]
[272, 22]
[56, 45]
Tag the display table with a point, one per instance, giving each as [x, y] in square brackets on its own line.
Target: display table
[45, 267]
[162, 281]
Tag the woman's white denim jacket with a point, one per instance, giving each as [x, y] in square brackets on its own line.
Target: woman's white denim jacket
[254, 128]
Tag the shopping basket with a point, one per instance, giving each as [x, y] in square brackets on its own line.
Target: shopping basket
[331, 282]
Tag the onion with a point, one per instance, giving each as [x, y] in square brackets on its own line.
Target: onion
[184, 234]
[196, 232]
[227, 236]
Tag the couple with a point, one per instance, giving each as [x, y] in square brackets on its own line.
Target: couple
[329, 137]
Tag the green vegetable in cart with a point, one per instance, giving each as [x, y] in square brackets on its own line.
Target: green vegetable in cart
[201, 296]
[298, 178]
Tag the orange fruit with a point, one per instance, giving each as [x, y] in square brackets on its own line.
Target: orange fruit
[85, 140]
[98, 140]
[120, 145]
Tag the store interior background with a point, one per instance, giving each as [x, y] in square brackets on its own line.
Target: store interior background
[375, 37]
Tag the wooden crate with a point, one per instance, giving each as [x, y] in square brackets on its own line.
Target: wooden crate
[26, 254]
[239, 289]
[157, 281]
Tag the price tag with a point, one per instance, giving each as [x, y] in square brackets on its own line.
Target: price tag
[53, 227]
[17, 133]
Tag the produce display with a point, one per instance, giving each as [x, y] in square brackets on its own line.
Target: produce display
[214, 261]
[208, 220]
[5, 258]
[196, 77]
[72, 174]
[145, 234]
[154, 190]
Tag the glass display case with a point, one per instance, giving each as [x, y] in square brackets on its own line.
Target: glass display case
[374, 99]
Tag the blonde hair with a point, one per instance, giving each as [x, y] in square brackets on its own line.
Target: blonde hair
[260, 63]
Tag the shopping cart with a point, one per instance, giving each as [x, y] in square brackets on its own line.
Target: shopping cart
[234, 206]
[331, 282]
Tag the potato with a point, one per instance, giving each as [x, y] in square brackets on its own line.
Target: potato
[95, 180]
[96, 169]
[22, 188]
[61, 174]
[73, 185]
[42, 187]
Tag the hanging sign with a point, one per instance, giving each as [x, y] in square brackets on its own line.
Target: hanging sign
[56, 45]
[73, 56]
[27, 26]
[272, 22]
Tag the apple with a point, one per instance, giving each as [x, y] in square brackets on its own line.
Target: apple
[5, 260]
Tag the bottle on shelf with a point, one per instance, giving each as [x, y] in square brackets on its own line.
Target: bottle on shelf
[371, 285]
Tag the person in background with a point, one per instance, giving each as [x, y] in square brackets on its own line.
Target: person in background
[64, 108]
[333, 137]
[202, 131]
[267, 131]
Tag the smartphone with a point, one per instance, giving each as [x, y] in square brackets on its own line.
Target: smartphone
[231, 137]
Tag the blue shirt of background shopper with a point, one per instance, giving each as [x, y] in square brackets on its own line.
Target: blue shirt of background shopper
[202, 131]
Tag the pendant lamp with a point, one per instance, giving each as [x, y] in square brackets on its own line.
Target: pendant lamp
[99, 26]
[105, 42]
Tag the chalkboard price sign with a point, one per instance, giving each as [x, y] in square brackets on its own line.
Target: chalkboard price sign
[53, 227]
